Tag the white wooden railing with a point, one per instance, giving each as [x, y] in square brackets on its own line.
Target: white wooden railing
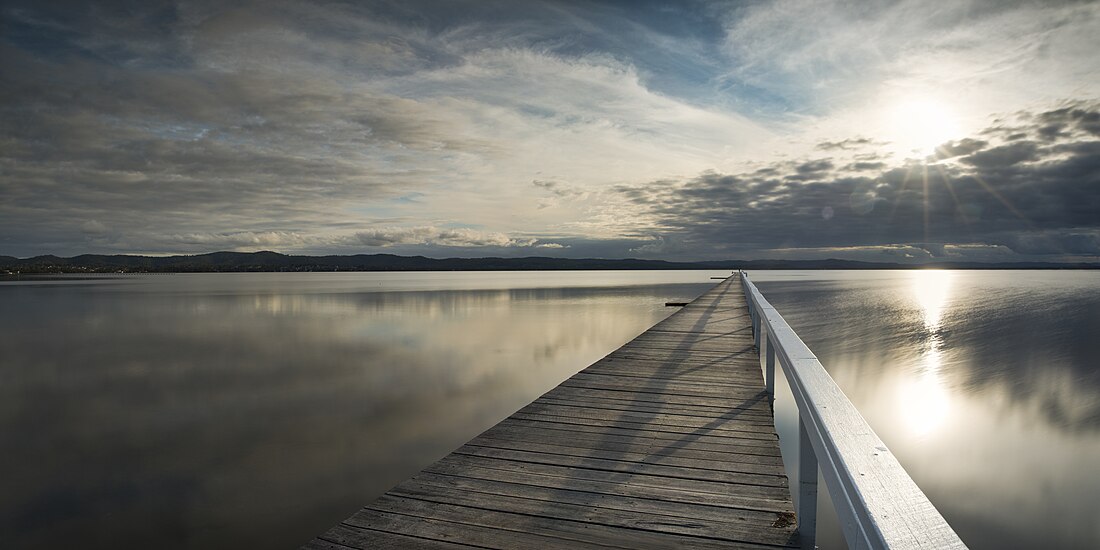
[878, 504]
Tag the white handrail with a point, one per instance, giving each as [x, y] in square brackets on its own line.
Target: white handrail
[878, 504]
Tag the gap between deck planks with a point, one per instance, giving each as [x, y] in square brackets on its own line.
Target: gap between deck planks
[668, 441]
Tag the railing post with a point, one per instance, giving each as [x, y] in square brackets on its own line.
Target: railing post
[756, 328]
[807, 489]
[754, 316]
[769, 366]
[882, 508]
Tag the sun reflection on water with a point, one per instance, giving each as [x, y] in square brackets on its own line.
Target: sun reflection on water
[931, 289]
[924, 400]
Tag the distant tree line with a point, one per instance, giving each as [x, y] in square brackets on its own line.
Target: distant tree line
[275, 262]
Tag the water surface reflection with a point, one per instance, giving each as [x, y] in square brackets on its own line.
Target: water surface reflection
[986, 386]
[237, 410]
[924, 400]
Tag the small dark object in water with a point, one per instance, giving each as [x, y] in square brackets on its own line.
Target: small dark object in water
[675, 304]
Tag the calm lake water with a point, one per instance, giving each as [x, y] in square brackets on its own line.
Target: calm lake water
[984, 384]
[256, 410]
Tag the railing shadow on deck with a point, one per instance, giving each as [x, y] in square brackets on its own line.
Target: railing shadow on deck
[636, 410]
[877, 503]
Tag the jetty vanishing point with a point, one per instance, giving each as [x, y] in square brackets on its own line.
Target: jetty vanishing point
[667, 442]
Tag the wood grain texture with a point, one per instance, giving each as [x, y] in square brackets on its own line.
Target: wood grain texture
[668, 442]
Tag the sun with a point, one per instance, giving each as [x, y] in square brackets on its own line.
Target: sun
[920, 124]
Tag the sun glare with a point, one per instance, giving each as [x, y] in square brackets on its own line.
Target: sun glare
[919, 125]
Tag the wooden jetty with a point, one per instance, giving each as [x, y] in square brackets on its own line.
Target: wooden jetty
[668, 441]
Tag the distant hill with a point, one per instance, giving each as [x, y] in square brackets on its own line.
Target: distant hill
[273, 261]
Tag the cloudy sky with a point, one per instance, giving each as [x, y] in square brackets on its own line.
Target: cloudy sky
[890, 131]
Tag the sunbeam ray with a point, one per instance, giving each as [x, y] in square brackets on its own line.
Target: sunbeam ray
[954, 196]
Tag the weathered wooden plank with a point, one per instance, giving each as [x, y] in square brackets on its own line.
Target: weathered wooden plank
[596, 394]
[566, 445]
[509, 431]
[687, 374]
[318, 544]
[730, 420]
[348, 536]
[695, 410]
[742, 399]
[674, 517]
[679, 472]
[650, 530]
[655, 375]
[731, 327]
[667, 442]
[634, 396]
[687, 348]
[611, 453]
[686, 337]
[661, 336]
[746, 496]
[608, 528]
[747, 437]
[756, 484]
[661, 380]
[738, 364]
[729, 323]
[760, 446]
[673, 358]
[733, 360]
[748, 409]
[686, 427]
[664, 377]
[691, 390]
[467, 533]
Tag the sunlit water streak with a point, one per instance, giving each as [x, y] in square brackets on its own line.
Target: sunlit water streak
[984, 384]
[924, 401]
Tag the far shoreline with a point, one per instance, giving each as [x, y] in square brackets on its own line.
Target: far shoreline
[273, 262]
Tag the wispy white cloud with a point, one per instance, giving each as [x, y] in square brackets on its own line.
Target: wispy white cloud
[844, 68]
[297, 118]
[305, 126]
[430, 235]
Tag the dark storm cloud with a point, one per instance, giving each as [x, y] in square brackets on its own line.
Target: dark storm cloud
[1068, 121]
[964, 146]
[1027, 197]
[1003, 156]
[814, 167]
[866, 166]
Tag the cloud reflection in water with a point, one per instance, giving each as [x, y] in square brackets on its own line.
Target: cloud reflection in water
[233, 410]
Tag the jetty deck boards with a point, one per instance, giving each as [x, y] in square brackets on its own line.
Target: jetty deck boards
[666, 442]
